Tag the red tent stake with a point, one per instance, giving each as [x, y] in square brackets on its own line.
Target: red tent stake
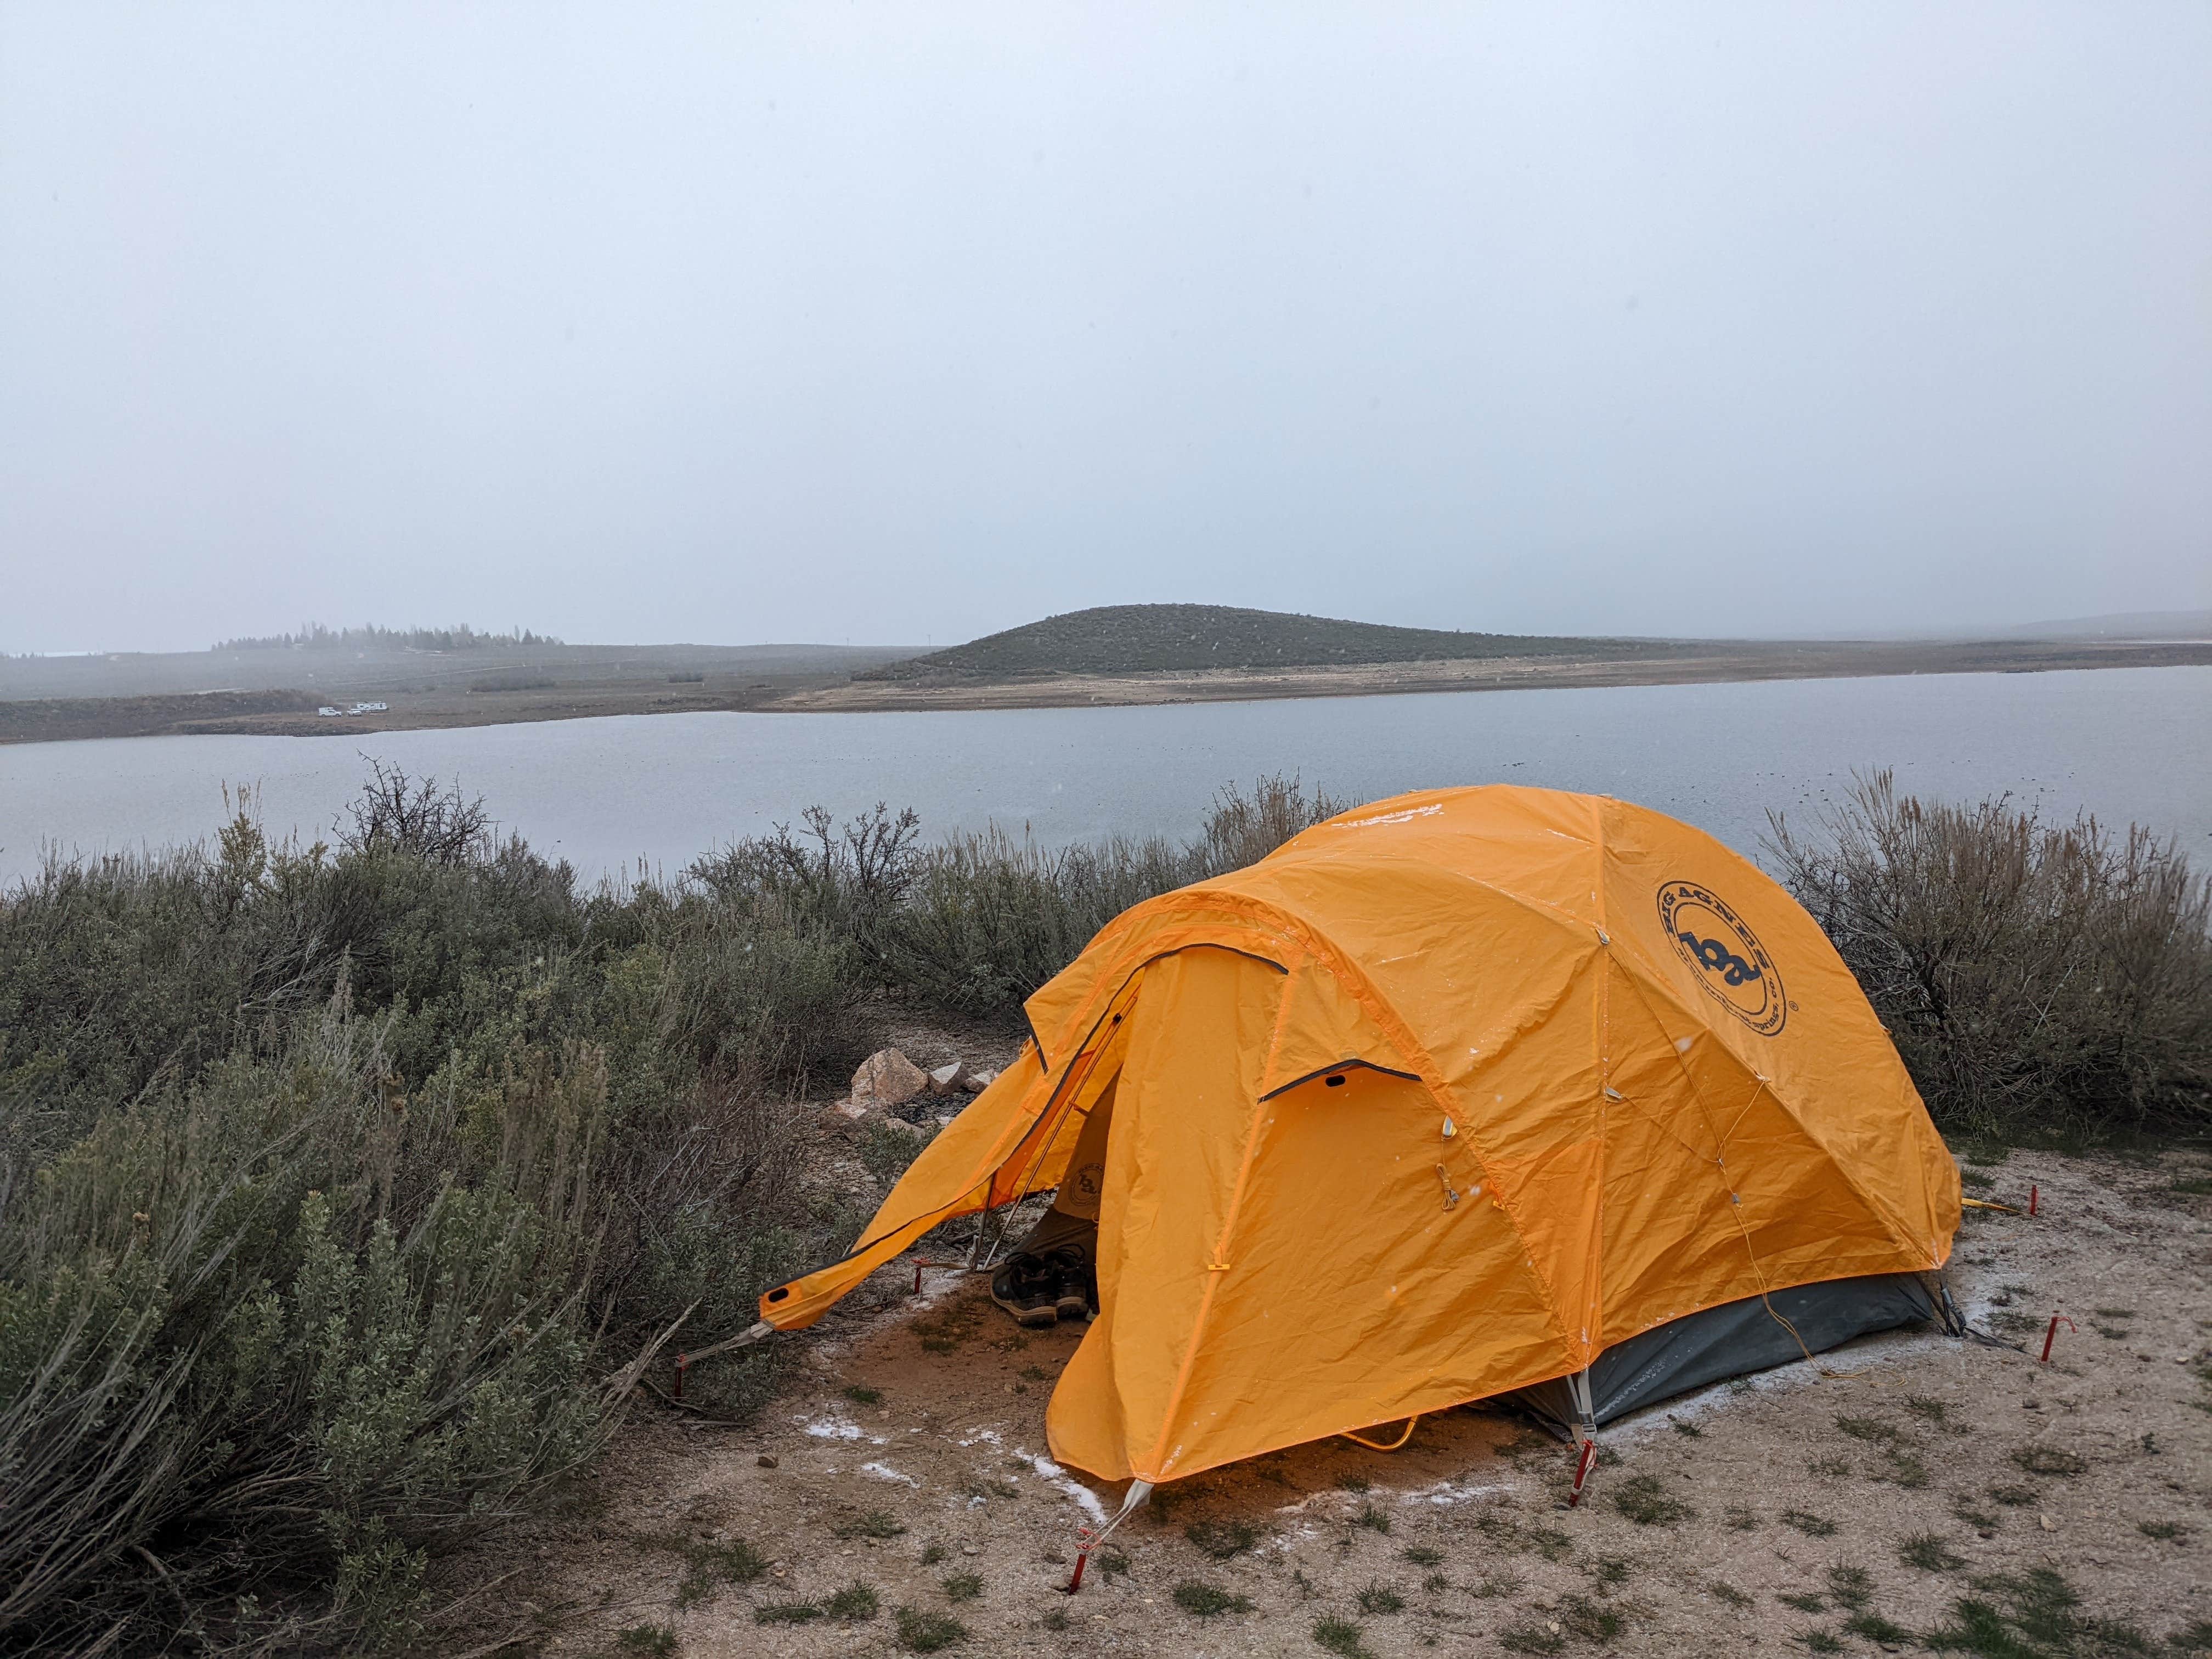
[682, 1364]
[2050, 1335]
[2031, 1196]
[1582, 1471]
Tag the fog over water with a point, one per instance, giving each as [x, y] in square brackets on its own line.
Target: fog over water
[608, 794]
[892, 324]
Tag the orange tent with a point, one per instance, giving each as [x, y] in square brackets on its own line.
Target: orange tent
[1447, 1096]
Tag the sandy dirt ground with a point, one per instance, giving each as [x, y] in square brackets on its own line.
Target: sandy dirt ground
[1750, 660]
[1844, 1505]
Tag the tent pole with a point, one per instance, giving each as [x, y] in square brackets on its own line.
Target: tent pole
[980, 1258]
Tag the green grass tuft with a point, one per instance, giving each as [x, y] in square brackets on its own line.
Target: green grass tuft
[1380, 1599]
[1928, 1553]
[1851, 1587]
[2028, 1616]
[856, 1602]
[1875, 1628]
[785, 1613]
[1903, 1468]
[1812, 1525]
[706, 1565]
[1643, 1501]
[963, 1586]
[1586, 1620]
[1531, 1639]
[921, 1632]
[1223, 1539]
[1342, 1638]
[1205, 1601]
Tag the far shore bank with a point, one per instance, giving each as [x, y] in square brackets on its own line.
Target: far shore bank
[293, 715]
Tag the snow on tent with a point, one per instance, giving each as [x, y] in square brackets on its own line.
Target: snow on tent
[1467, 1093]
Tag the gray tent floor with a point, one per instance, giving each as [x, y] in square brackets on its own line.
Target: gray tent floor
[1734, 1339]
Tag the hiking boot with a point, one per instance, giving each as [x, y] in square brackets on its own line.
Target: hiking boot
[1073, 1296]
[1028, 1289]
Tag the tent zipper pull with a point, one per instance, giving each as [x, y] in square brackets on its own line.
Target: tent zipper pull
[1450, 1197]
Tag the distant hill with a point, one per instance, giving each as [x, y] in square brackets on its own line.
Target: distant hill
[1133, 639]
[2121, 625]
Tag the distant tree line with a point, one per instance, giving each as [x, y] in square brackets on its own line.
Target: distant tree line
[314, 636]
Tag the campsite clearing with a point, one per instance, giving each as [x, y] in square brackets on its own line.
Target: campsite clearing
[1847, 1505]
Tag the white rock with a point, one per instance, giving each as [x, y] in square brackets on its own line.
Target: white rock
[887, 1077]
[945, 1079]
[976, 1082]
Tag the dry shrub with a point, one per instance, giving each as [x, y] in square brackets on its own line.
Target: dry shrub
[333, 1181]
[2038, 978]
[985, 919]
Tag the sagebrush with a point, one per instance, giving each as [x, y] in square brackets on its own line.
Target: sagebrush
[2038, 978]
[337, 1181]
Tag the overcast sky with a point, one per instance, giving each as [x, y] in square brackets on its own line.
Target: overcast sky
[630, 322]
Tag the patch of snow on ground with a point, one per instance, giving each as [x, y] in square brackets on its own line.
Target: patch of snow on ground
[831, 1428]
[884, 1472]
[1447, 1493]
[1085, 1498]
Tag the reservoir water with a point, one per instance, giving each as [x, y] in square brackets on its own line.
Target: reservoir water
[610, 795]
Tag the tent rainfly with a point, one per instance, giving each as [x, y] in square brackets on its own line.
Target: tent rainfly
[1467, 1092]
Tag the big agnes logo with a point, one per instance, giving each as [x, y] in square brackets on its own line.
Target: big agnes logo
[1731, 964]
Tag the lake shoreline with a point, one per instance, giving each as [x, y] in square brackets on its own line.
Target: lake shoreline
[282, 715]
